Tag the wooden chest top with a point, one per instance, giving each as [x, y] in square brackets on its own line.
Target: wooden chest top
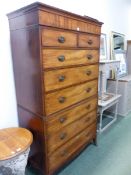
[42, 14]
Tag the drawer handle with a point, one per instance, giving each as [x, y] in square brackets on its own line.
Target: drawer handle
[63, 153]
[88, 106]
[88, 135]
[90, 42]
[63, 136]
[61, 58]
[88, 72]
[61, 78]
[89, 57]
[88, 89]
[87, 119]
[62, 119]
[62, 99]
[61, 39]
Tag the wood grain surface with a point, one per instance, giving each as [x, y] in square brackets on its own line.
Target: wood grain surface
[63, 98]
[63, 154]
[60, 58]
[62, 119]
[13, 141]
[87, 40]
[51, 38]
[58, 138]
[56, 79]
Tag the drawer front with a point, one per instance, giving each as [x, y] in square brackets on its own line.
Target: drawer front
[63, 98]
[56, 79]
[60, 21]
[88, 41]
[60, 137]
[58, 38]
[61, 155]
[59, 58]
[57, 122]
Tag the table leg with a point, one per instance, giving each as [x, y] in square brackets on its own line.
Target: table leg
[116, 106]
[100, 122]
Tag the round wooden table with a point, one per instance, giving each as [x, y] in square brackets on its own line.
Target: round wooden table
[14, 149]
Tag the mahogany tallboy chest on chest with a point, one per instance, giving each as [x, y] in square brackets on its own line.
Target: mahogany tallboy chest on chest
[55, 59]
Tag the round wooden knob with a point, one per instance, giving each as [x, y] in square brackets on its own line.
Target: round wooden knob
[88, 89]
[88, 72]
[62, 119]
[62, 99]
[90, 42]
[61, 58]
[63, 153]
[88, 106]
[89, 57]
[63, 136]
[61, 78]
[61, 39]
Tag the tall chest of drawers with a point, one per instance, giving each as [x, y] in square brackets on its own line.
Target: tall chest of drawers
[55, 60]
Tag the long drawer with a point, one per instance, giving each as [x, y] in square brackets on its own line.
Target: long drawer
[56, 79]
[59, 58]
[62, 154]
[87, 40]
[62, 119]
[58, 138]
[58, 38]
[65, 22]
[63, 98]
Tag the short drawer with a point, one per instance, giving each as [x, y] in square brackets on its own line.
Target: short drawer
[86, 40]
[64, 153]
[61, 136]
[62, 119]
[56, 79]
[60, 58]
[58, 38]
[61, 99]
